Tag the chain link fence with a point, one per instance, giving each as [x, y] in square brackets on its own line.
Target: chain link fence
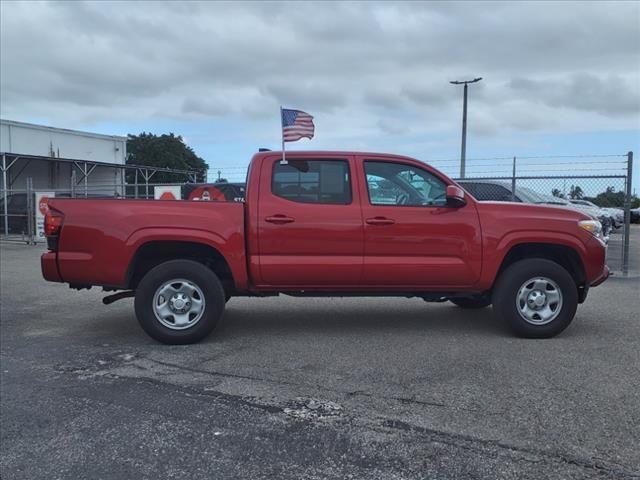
[598, 185]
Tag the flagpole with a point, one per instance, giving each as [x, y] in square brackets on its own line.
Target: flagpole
[284, 160]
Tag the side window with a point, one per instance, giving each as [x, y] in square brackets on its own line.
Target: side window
[398, 184]
[312, 181]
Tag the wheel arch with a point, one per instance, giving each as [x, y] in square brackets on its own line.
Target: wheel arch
[154, 252]
[562, 254]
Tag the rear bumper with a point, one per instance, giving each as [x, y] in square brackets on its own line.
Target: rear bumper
[49, 267]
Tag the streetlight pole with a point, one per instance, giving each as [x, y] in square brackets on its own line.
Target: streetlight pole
[463, 149]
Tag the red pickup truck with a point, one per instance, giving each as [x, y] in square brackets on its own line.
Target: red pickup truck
[328, 224]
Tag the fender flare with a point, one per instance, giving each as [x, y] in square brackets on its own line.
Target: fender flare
[233, 254]
[511, 240]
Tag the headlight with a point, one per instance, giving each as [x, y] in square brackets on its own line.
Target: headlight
[594, 227]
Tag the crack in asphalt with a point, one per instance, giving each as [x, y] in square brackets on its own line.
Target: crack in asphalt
[324, 388]
[413, 401]
[211, 372]
[208, 394]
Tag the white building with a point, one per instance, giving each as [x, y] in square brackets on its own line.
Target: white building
[50, 156]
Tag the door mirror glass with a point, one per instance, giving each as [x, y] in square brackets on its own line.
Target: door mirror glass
[455, 196]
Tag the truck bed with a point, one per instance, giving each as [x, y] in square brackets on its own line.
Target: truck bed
[106, 233]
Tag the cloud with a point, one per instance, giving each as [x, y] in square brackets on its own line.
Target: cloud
[315, 96]
[612, 95]
[390, 127]
[361, 68]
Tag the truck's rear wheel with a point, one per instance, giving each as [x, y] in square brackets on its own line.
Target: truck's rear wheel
[179, 302]
[537, 298]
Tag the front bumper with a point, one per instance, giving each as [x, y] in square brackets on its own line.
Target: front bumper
[602, 277]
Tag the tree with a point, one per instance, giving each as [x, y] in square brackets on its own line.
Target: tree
[576, 192]
[611, 198]
[557, 193]
[167, 151]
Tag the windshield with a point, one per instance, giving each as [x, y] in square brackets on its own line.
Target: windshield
[529, 196]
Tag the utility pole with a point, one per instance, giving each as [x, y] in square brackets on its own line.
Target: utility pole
[463, 149]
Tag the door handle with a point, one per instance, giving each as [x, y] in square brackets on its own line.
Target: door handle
[380, 221]
[279, 219]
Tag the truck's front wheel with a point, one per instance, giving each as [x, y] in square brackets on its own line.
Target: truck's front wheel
[179, 302]
[537, 297]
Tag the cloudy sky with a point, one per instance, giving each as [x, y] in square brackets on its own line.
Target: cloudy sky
[559, 78]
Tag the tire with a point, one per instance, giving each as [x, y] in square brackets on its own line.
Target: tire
[157, 297]
[516, 287]
[471, 302]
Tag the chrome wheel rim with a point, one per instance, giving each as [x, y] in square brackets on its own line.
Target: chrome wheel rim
[539, 301]
[178, 304]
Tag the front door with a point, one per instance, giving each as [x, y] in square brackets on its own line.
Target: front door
[412, 238]
[309, 224]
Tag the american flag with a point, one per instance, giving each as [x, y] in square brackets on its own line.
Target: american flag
[296, 124]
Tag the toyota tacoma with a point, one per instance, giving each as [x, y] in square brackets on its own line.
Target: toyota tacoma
[328, 224]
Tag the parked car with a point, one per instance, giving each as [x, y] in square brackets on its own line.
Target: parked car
[604, 215]
[635, 215]
[329, 224]
[617, 214]
[495, 190]
[587, 205]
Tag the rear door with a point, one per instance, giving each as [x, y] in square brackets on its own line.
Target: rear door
[310, 231]
[412, 238]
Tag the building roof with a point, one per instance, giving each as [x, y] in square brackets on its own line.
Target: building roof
[62, 130]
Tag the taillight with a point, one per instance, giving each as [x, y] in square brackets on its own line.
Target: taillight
[53, 223]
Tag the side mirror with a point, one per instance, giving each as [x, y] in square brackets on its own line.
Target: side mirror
[455, 196]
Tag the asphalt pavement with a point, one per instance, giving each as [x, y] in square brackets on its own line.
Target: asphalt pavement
[372, 388]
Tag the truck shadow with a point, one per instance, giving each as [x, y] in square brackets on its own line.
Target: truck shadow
[330, 316]
[327, 318]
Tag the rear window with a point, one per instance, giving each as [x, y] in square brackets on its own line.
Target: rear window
[312, 181]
